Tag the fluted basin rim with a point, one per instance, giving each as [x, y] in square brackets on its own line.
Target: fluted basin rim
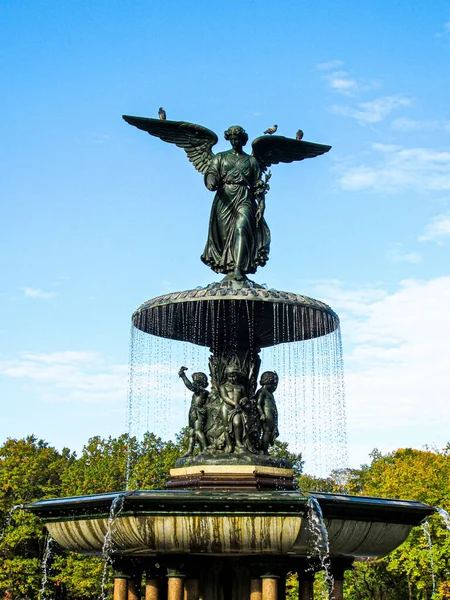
[334, 506]
[246, 312]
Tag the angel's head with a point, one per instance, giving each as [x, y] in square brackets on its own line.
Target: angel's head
[237, 136]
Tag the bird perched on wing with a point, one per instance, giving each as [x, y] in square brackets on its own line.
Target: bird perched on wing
[162, 113]
[271, 130]
[299, 135]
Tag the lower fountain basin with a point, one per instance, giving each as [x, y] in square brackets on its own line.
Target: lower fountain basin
[229, 524]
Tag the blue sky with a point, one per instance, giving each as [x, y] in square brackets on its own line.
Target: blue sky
[98, 217]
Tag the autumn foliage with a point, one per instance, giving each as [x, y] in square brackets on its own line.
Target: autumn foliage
[30, 469]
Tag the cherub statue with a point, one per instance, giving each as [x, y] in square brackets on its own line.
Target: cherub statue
[239, 238]
[267, 409]
[233, 397]
[197, 411]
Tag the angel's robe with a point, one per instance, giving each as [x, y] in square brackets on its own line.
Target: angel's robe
[233, 226]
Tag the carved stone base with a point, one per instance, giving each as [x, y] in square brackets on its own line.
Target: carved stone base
[235, 460]
[231, 477]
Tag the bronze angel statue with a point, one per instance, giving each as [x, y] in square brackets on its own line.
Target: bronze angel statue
[239, 238]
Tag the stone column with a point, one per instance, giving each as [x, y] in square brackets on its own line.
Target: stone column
[151, 589]
[269, 586]
[120, 586]
[256, 588]
[175, 584]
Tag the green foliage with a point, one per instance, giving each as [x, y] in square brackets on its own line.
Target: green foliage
[309, 483]
[281, 450]
[371, 580]
[102, 467]
[406, 573]
[156, 458]
[30, 470]
[80, 576]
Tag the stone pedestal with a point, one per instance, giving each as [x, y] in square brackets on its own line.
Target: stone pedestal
[231, 477]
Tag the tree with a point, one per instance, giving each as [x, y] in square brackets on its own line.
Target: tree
[281, 450]
[30, 470]
[421, 475]
[102, 466]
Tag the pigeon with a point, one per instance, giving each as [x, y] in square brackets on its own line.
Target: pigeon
[162, 113]
[299, 135]
[271, 130]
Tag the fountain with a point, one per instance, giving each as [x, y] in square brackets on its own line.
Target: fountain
[230, 523]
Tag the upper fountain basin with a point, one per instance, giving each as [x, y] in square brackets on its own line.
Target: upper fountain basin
[235, 313]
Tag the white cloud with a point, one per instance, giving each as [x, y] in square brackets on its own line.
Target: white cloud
[445, 30]
[405, 125]
[396, 358]
[438, 228]
[373, 111]
[419, 169]
[397, 254]
[37, 293]
[410, 257]
[340, 81]
[69, 376]
[331, 64]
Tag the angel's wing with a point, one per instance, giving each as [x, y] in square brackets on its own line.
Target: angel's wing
[271, 150]
[195, 140]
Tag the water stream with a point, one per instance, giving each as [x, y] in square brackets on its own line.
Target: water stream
[8, 519]
[444, 516]
[320, 553]
[48, 553]
[427, 536]
[107, 549]
[310, 396]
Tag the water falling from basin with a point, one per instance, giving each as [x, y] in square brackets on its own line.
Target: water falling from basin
[310, 396]
[427, 536]
[8, 519]
[444, 516]
[107, 549]
[320, 553]
[48, 553]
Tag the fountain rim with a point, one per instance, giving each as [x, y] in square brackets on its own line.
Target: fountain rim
[249, 291]
[276, 317]
[221, 503]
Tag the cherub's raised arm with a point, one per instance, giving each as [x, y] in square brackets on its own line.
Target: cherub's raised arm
[195, 140]
[186, 380]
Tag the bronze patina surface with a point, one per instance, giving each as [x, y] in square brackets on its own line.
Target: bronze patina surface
[238, 238]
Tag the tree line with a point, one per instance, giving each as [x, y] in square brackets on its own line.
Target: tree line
[31, 469]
